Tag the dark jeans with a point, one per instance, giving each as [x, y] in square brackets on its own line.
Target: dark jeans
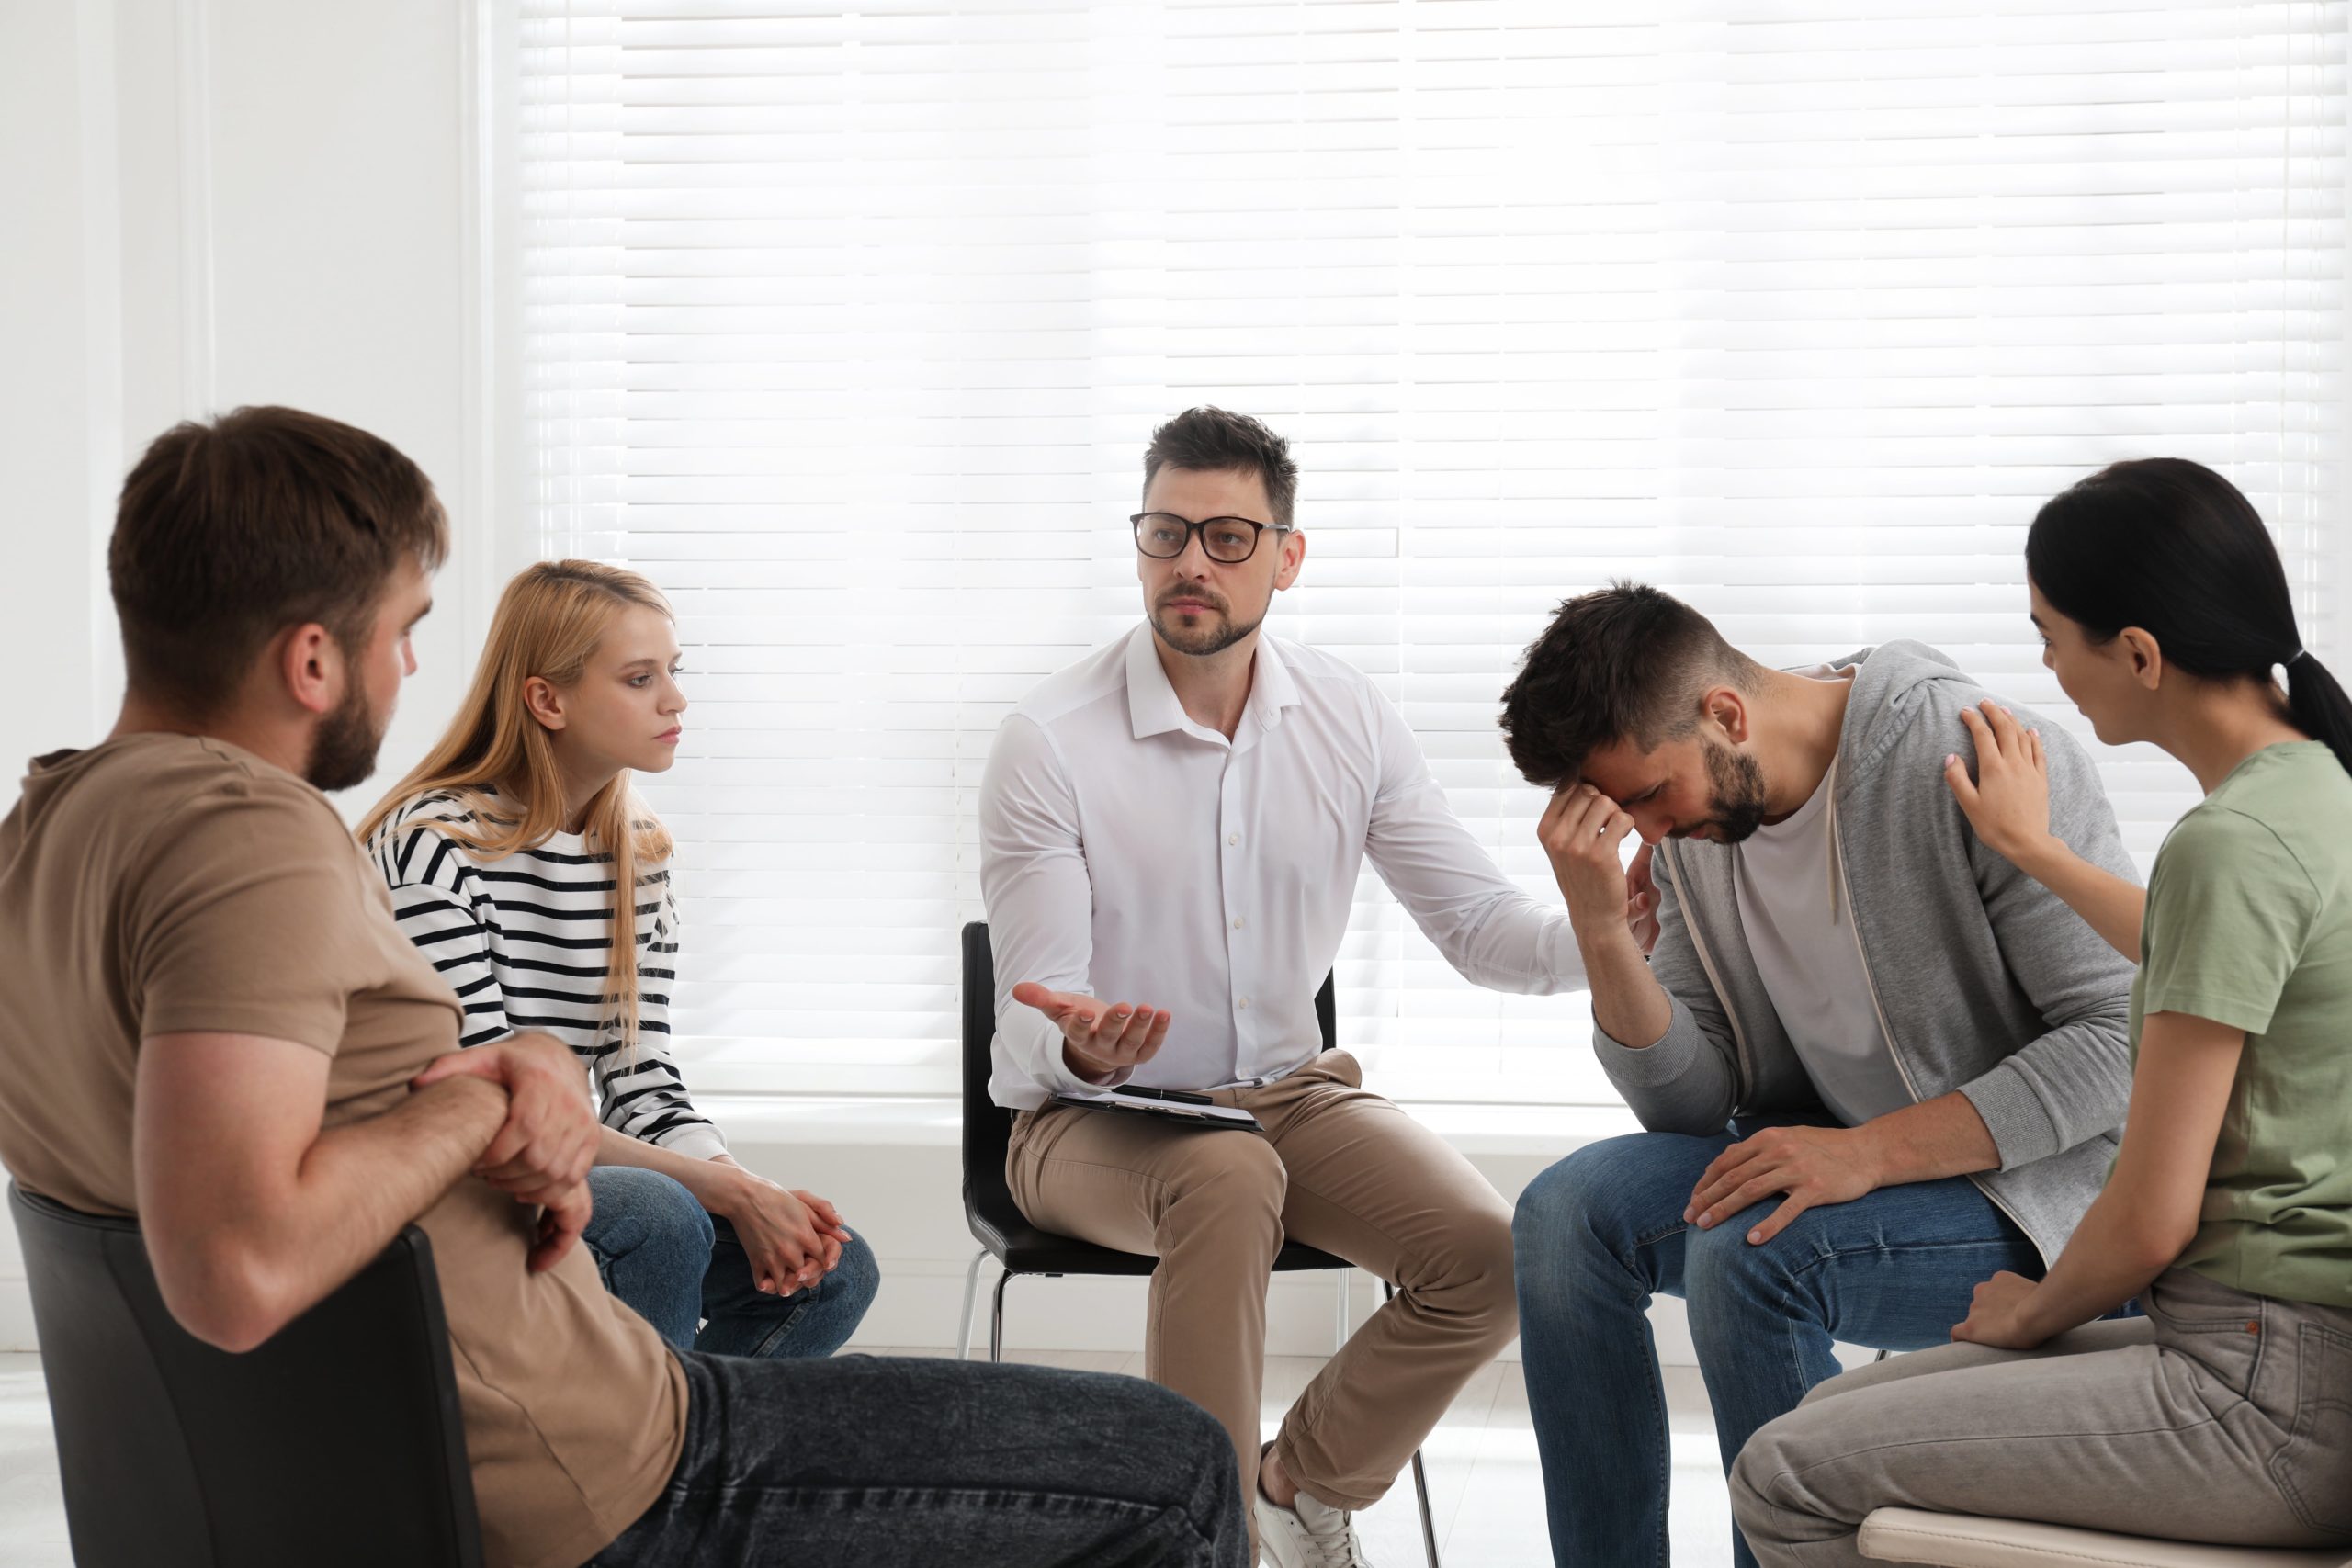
[882, 1462]
[1602, 1232]
[675, 1265]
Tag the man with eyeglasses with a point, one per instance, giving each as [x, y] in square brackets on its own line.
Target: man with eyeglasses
[1172, 833]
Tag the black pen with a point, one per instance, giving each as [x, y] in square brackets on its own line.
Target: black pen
[1181, 1097]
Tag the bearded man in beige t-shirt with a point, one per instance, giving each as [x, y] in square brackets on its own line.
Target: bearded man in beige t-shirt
[217, 1028]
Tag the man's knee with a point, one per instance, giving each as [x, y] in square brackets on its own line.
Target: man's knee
[1732, 1283]
[1583, 1205]
[1472, 1273]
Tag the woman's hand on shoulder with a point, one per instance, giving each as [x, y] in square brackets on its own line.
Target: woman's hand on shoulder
[2007, 801]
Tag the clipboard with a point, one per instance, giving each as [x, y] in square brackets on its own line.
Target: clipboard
[1184, 1113]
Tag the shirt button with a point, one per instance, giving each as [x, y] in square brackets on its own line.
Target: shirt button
[1238, 923]
[1233, 837]
[1244, 1002]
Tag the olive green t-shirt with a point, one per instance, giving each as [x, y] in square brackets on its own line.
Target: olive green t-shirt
[2249, 924]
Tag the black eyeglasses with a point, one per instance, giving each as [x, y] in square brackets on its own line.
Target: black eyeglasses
[1162, 536]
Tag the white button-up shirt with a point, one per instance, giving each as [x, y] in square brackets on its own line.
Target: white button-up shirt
[1133, 855]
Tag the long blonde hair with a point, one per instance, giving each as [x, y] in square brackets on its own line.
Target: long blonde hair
[549, 624]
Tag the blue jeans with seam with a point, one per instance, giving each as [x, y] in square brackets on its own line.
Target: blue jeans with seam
[677, 1265]
[1602, 1232]
[887, 1462]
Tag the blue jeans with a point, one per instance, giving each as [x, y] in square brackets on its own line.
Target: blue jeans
[1602, 1232]
[864, 1461]
[676, 1266]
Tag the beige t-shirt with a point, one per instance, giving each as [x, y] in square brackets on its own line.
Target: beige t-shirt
[160, 884]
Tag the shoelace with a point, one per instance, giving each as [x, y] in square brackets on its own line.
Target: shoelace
[1340, 1551]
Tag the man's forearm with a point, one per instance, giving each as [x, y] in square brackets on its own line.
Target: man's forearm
[1628, 1004]
[360, 1183]
[1926, 1142]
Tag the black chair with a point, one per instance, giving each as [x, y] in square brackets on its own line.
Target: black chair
[1020, 1248]
[338, 1441]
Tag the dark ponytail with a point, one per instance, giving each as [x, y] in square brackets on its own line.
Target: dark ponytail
[2171, 547]
[2319, 706]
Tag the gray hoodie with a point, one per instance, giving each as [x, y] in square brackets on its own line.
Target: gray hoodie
[1982, 980]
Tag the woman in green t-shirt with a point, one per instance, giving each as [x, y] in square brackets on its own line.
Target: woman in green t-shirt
[2226, 1414]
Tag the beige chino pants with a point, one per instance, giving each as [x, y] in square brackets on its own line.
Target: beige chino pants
[1338, 1168]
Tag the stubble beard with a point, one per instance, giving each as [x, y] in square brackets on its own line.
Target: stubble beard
[1218, 631]
[343, 747]
[1735, 787]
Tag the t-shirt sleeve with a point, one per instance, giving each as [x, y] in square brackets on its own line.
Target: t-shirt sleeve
[249, 916]
[2229, 911]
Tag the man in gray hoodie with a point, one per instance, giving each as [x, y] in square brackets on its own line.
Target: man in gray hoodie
[1877, 1063]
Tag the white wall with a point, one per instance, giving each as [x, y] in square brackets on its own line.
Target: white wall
[210, 203]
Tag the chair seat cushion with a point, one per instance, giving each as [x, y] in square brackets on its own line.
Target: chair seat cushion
[1962, 1540]
[998, 1225]
[1026, 1250]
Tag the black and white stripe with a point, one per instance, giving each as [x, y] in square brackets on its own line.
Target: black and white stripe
[526, 944]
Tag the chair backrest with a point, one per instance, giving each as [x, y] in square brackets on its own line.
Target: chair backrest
[988, 1126]
[338, 1441]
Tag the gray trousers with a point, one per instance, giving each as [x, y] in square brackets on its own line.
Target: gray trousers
[2220, 1417]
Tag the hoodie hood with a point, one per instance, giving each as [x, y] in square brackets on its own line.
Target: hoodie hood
[1895, 685]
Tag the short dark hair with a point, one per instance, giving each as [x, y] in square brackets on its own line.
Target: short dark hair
[1625, 662]
[1212, 441]
[228, 533]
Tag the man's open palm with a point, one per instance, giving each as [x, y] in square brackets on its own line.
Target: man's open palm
[1098, 1039]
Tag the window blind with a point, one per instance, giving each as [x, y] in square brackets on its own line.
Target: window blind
[848, 324]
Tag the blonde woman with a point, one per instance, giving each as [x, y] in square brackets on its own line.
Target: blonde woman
[505, 850]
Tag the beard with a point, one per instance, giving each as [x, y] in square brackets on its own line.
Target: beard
[1213, 631]
[343, 747]
[1736, 792]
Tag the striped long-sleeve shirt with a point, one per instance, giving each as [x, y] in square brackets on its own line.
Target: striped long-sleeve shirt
[527, 942]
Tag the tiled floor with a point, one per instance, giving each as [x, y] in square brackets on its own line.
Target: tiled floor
[1484, 1483]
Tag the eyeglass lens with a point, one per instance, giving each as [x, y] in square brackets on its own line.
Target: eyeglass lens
[1163, 535]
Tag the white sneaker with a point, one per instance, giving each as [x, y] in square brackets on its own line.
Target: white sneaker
[1307, 1535]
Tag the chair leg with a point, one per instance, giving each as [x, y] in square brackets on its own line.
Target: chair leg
[1420, 1473]
[971, 1291]
[1429, 1523]
[1340, 1332]
[996, 1319]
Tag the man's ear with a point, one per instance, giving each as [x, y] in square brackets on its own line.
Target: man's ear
[1725, 708]
[310, 666]
[1294, 556]
[2144, 656]
[544, 702]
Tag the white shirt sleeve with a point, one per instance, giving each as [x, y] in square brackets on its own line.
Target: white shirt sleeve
[1039, 897]
[1494, 933]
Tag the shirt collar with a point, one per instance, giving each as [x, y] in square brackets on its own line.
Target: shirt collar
[1152, 706]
